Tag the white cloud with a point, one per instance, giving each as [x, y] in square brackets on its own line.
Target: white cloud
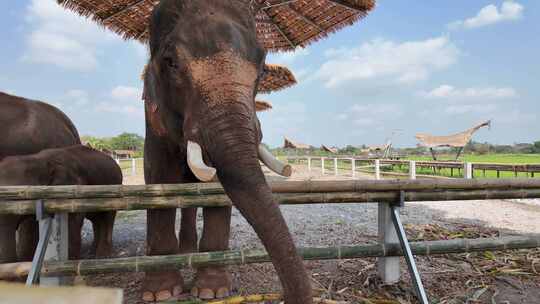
[135, 111]
[61, 37]
[451, 92]
[77, 97]
[127, 93]
[470, 109]
[491, 14]
[371, 114]
[285, 120]
[387, 61]
[288, 58]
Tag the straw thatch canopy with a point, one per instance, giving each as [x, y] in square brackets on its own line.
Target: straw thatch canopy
[274, 78]
[261, 106]
[289, 144]
[329, 149]
[281, 24]
[457, 140]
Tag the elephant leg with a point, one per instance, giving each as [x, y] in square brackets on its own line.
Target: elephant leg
[187, 236]
[75, 223]
[8, 246]
[103, 223]
[215, 281]
[27, 238]
[162, 165]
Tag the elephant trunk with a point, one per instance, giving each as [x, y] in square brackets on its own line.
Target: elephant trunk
[232, 146]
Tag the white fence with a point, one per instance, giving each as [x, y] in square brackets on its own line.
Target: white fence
[129, 165]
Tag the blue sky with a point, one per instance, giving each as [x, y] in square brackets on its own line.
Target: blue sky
[409, 67]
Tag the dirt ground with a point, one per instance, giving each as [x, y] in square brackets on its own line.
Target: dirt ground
[499, 277]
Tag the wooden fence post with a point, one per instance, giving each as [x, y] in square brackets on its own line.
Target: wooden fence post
[377, 169]
[335, 167]
[468, 170]
[309, 164]
[412, 169]
[322, 165]
[57, 249]
[353, 167]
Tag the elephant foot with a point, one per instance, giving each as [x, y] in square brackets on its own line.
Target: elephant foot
[212, 283]
[162, 286]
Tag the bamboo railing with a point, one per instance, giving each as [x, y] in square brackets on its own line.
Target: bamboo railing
[242, 257]
[58, 199]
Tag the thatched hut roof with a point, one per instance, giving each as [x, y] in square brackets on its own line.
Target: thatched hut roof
[261, 106]
[289, 144]
[275, 77]
[457, 140]
[281, 25]
[329, 149]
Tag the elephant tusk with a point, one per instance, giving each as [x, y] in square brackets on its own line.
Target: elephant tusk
[196, 163]
[273, 163]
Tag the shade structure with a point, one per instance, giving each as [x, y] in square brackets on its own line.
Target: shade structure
[261, 106]
[289, 144]
[456, 140]
[274, 78]
[329, 149]
[281, 24]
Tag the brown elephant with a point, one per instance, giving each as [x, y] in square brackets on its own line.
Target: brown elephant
[75, 165]
[28, 127]
[200, 85]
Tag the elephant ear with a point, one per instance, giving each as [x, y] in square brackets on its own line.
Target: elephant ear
[153, 116]
[60, 174]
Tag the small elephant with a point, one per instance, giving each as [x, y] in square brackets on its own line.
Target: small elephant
[75, 165]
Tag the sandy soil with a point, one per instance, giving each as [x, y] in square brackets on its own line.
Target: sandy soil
[448, 279]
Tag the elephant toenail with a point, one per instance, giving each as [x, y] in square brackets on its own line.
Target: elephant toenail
[163, 295]
[222, 293]
[206, 294]
[148, 296]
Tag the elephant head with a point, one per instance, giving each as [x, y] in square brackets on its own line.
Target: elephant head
[33, 170]
[199, 86]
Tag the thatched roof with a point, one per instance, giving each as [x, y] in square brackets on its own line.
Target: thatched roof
[329, 149]
[261, 106]
[378, 147]
[456, 140]
[275, 77]
[289, 144]
[281, 25]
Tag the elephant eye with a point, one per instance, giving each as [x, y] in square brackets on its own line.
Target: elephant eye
[169, 61]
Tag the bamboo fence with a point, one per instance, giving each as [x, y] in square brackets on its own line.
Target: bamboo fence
[242, 257]
[58, 199]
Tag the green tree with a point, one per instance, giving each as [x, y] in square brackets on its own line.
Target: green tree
[536, 146]
[127, 141]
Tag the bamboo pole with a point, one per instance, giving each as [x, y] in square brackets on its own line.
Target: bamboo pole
[308, 186]
[23, 207]
[242, 257]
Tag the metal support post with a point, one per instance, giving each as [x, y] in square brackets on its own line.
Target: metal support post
[411, 264]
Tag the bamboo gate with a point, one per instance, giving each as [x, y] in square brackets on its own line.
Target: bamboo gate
[52, 204]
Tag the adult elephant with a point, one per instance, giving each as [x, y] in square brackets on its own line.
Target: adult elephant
[202, 77]
[75, 165]
[28, 127]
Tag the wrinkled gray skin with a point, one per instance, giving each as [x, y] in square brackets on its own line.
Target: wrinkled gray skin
[75, 165]
[200, 86]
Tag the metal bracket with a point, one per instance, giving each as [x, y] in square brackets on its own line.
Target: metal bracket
[45, 221]
[411, 264]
